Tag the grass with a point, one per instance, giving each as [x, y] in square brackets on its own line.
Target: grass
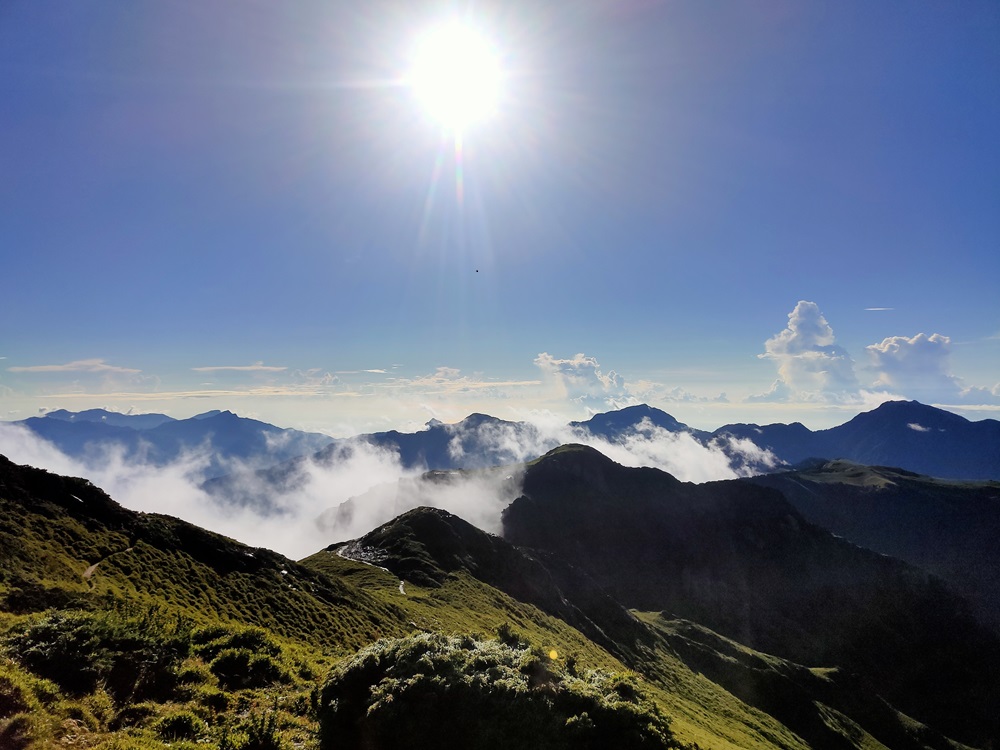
[185, 639]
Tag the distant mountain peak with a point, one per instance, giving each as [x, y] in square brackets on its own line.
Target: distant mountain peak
[210, 414]
[912, 410]
[612, 424]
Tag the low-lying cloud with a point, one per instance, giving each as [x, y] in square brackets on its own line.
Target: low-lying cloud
[357, 486]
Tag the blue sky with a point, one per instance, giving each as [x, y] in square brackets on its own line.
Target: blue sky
[238, 205]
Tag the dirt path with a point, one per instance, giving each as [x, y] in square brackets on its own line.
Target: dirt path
[90, 571]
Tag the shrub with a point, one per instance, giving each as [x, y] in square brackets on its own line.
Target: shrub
[510, 637]
[238, 668]
[399, 694]
[258, 732]
[214, 700]
[211, 641]
[182, 725]
[133, 653]
[133, 715]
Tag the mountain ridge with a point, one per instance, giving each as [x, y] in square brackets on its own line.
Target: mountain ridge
[54, 530]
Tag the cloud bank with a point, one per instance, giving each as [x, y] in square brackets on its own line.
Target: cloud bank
[361, 485]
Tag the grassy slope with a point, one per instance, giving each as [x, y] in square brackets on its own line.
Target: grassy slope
[154, 568]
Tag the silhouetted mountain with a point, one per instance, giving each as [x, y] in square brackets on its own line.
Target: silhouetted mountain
[906, 434]
[947, 527]
[742, 561]
[221, 437]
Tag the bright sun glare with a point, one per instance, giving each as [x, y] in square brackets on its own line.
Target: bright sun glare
[456, 75]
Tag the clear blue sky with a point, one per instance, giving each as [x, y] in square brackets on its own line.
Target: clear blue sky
[237, 205]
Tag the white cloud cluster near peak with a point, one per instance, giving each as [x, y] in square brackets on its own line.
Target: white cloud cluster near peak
[916, 366]
[580, 379]
[813, 368]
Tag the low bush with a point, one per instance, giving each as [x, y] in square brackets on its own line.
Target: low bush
[182, 725]
[134, 654]
[399, 694]
[239, 668]
[209, 642]
[133, 715]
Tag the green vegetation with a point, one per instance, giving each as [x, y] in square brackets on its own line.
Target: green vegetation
[491, 696]
[126, 631]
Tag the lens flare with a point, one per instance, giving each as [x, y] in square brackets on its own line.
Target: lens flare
[456, 75]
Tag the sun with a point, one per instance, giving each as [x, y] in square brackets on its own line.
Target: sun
[456, 76]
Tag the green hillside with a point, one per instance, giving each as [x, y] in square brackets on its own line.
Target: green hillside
[139, 631]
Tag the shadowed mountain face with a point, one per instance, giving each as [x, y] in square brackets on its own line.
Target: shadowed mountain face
[906, 434]
[948, 528]
[742, 561]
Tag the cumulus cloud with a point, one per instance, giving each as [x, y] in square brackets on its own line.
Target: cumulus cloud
[811, 366]
[581, 379]
[919, 367]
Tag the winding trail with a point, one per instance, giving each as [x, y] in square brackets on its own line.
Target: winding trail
[90, 571]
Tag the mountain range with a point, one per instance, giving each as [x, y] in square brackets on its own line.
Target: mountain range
[909, 435]
[619, 607]
[903, 434]
[223, 439]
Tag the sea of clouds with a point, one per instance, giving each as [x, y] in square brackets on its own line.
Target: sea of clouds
[360, 486]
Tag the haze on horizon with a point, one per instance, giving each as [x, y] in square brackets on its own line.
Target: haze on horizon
[728, 211]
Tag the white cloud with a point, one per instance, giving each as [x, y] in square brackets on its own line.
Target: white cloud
[651, 392]
[918, 427]
[80, 365]
[255, 367]
[811, 366]
[919, 367]
[581, 379]
[289, 524]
